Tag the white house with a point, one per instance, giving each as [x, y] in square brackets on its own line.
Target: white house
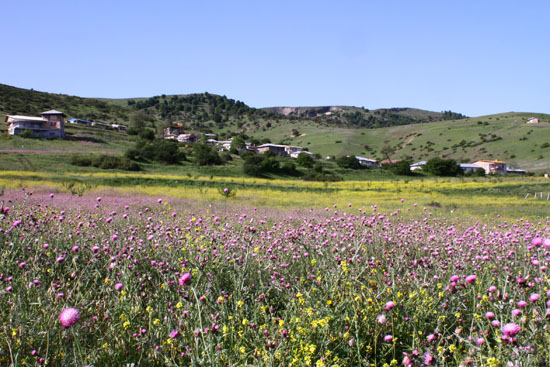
[470, 167]
[50, 125]
[296, 154]
[418, 165]
[367, 162]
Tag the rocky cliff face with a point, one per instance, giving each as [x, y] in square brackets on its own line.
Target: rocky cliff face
[307, 112]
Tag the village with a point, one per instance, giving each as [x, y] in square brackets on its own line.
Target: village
[51, 125]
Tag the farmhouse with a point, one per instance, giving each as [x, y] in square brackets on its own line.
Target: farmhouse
[470, 167]
[296, 154]
[418, 165]
[50, 125]
[79, 122]
[186, 138]
[492, 166]
[367, 162]
[275, 148]
[532, 120]
[172, 132]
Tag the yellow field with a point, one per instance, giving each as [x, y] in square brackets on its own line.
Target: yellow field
[465, 196]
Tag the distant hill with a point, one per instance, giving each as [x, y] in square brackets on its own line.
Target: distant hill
[328, 130]
[362, 117]
[30, 102]
[206, 111]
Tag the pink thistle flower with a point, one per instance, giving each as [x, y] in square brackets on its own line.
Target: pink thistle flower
[388, 338]
[455, 278]
[430, 337]
[118, 286]
[511, 329]
[490, 315]
[495, 323]
[534, 297]
[521, 304]
[480, 341]
[174, 333]
[184, 279]
[389, 305]
[516, 312]
[428, 358]
[69, 317]
[471, 278]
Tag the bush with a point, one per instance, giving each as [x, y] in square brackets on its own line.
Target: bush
[27, 134]
[163, 151]
[147, 134]
[442, 167]
[348, 162]
[106, 162]
[305, 160]
[205, 155]
[402, 168]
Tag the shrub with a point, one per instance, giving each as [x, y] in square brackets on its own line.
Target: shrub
[442, 167]
[106, 162]
[348, 162]
[205, 155]
[164, 151]
[402, 168]
[147, 134]
[305, 160]
[27, 134]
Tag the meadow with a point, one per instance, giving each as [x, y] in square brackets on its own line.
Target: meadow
[172, 276]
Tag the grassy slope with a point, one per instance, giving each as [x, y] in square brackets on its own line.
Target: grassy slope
[522, 145]
[412, 140]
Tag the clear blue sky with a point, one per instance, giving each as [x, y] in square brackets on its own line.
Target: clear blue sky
[474, 57]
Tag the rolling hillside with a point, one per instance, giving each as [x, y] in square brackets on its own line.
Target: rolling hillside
[413, 134]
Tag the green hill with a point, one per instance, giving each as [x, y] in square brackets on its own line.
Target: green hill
[330, 130]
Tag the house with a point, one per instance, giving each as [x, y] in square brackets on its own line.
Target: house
[418, 165]
[275, 148]
[50, 125]
[470, 167]
[119, 127]
[532, 120]
[172, 132]
[515, 171]
[289, 149]
[492, 166]
[79, 122]
[296, 154]
[367, 162]
[100, 124]
[186, 138]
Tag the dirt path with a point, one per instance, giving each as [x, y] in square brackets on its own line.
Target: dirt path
[409, 140]
[30, 151]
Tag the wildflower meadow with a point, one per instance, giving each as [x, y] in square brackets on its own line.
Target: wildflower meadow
[114, 280]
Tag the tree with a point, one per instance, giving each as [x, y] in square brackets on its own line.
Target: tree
[387, 151]
[348, 162]
[305, 160]
[139, 119]
[237, 144]
[205, 155]
[402, 168]
[442, 167]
